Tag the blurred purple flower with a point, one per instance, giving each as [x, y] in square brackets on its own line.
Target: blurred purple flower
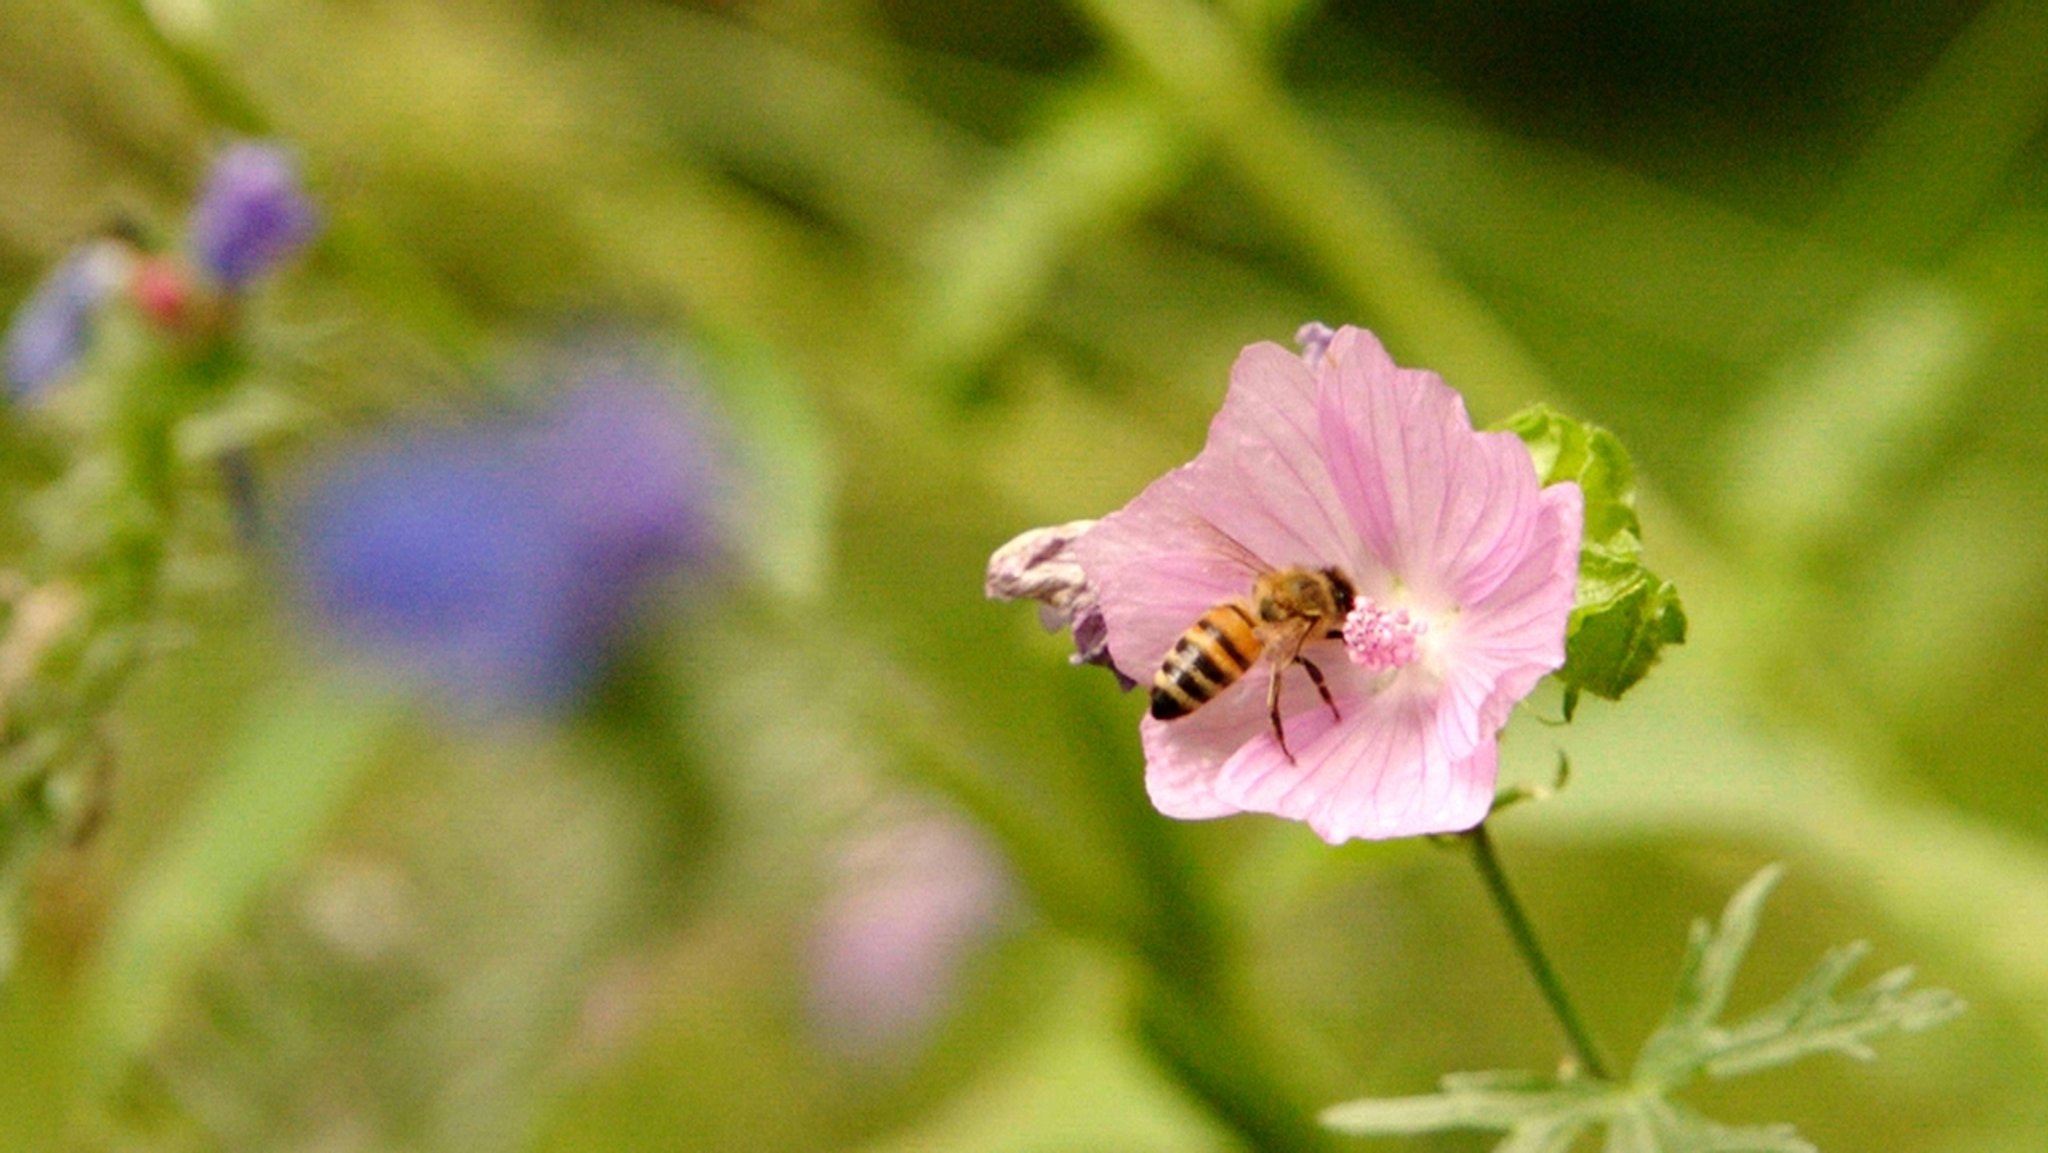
[252, 216]
[498, 562]
[909, 904]
[48, 335]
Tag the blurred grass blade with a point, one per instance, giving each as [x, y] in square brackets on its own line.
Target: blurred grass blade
[1346, 224]
[1866, 405]
[294, 765]
[791, 476]
[1600, 246]
[784, 119]
[174, 44]
[1104, 153]
[1932, 167]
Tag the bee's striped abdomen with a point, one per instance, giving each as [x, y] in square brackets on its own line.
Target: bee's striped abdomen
[1208, 658]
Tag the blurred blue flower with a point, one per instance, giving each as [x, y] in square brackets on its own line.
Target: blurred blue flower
[498, 562]
[48, 334]
[252, 215]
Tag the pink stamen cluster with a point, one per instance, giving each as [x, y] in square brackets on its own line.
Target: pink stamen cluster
[1381, 638]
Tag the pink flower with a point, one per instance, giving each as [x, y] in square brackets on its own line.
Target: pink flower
[911, 902]
[1460, 571]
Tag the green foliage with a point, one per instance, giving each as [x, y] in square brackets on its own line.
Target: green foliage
[1541, 1114]
[1625, 613]
[86, 603]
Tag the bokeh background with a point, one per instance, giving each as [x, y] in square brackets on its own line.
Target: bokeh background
[951, 271]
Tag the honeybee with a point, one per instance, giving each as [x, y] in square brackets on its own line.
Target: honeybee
[1287, 608]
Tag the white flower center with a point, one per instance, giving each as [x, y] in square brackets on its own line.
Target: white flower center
[1381, 638]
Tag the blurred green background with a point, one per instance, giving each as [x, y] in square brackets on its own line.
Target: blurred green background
[957, 270]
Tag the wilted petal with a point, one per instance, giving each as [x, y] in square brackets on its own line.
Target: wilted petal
[1039, 565]
[1314, 340]
[1034, 565]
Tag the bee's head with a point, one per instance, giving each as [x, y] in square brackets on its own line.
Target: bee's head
[1341, 590]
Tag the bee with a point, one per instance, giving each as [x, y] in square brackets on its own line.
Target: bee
[1287, 608]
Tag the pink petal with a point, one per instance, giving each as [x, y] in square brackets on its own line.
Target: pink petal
[1507, 643]
[1442, 508]
[1266, 484]
[1381, 772]
[1180, 767]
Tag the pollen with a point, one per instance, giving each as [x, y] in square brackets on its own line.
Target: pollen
[1381, 638]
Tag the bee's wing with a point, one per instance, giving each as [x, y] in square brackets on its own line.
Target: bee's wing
[1233, 550]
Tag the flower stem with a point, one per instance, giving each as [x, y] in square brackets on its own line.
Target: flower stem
[1532, 953]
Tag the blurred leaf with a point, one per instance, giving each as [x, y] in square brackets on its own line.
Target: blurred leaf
[1657, 1126]
[1714, 957]
[1551, 1120]
[292, 768]
[1625, 614]
[1500, 1099]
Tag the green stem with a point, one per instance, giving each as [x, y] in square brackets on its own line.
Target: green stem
[212, 90]
[1532, 953]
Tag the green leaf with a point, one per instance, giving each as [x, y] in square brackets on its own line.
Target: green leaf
[1659, 1125]
[1624, 614]
[1549, 1134]
[1716, 954]
[1809, 1019]
[1542, 1114]
[1533, 1109]
[1812, 1021]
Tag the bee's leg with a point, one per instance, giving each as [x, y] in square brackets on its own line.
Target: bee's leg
[1273, 711]
[1315, 674]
